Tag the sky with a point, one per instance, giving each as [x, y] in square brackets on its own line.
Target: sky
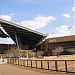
[53, 17]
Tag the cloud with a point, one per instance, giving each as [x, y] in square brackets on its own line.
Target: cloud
[6, 17]
[73, 9]
[67, 15]
[37, 22]
[63, 30]
[11, 14]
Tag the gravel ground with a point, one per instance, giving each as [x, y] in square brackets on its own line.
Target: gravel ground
[15, 70]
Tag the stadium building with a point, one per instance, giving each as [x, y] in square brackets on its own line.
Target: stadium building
[62, 43]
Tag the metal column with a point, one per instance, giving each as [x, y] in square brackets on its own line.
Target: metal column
[17, 41]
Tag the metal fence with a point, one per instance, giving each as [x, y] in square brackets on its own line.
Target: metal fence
[54, 65]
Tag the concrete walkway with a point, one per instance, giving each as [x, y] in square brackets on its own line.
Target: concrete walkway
[15, 70]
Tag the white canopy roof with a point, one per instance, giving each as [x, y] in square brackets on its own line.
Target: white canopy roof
[6, 41]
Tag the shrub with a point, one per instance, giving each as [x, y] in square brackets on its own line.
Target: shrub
[38, 53]
[54, 52]
[71, 50]
[31, 54]
[57, 51]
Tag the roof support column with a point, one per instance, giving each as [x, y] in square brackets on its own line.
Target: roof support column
[17, 41]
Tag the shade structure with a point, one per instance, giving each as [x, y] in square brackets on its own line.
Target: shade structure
[22, 35]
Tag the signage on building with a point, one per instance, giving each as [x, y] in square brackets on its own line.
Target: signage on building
[52, 40]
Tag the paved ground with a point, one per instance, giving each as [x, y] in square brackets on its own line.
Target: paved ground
[15, 70]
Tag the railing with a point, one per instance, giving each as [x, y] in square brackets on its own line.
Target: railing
[54, 65]
[3, 55]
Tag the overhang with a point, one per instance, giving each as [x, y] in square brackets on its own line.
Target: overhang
[24, 34]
